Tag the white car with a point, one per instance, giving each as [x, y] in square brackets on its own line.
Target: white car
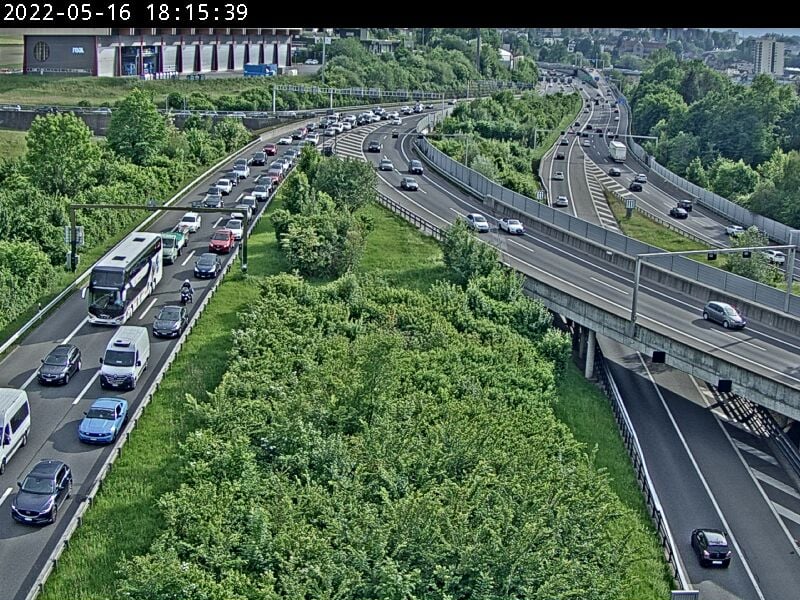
[225, 186]
[286, 140]
[346, 126]
[261, 192]
[477, 222]
[776, 257]
[242, 208]
[586, 142]
[513, 226]
[561, 201]
[734, 230]
[311, 61]
[558, 176]
[192, 220]
[397, 121]
[235, 225]
[312, 138]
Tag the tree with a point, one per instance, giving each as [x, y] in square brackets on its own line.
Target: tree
[732, 180]
[696, 173]
[231, 132]
[757, 267]
[309, 161]
[61, 157]
[137, 131]
[465, 255]
[351, 183]
[676, 153]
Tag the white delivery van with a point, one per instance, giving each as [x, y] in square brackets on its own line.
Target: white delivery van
[15, 423]
[125, 358]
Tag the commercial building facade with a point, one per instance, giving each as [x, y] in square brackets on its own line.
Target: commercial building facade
[155, 52]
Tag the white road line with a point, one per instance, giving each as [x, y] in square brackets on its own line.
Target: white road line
[778, 485]
[740, 555]
[788, 514]
[188, 258]
[74, 331]
[86, 388]
[218, 221]
[6, 494]
[516, 243]
[29, 379]
[143, 314]
[755, 452]
[756, 346]
[239, 197]
[620, 290]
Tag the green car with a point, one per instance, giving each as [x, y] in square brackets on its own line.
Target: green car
[171, 244]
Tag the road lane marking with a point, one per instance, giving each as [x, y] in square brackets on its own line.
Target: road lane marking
[218, 221]
[740, 555]
[756, 452]
[29, 379]
[733, 337]
[74, 331]
[143, 314]
[79, 397]
[188, 258]
[5, 495]
[778, 485]
[620, 290]
[788, 514]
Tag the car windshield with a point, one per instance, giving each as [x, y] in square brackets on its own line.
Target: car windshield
[479, 219]
[56, 360]
[513, 222]
[220, 236]
[168, 242]
[117, 358]
[261, 188]
[169, 314]
[206, 260]
[101, 413]
[188, 220]
[38, 485]
[213, 191]
[729, 310]
[234, 224]
[104, 299]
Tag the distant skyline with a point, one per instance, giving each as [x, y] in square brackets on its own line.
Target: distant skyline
[756, 32]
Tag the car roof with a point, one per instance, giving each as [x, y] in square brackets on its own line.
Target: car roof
[61, 349]
[46, 466]
[191, 214]
[208, 255]
[715, 536]
[107, 402]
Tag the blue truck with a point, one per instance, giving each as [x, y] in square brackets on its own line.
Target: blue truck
[258, 70]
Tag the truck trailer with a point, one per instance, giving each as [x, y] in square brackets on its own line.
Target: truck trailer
[618, 151]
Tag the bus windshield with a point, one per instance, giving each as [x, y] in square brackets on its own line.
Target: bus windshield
[105, 300]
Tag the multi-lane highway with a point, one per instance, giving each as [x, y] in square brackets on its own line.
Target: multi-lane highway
[701, 479]
[57, 411]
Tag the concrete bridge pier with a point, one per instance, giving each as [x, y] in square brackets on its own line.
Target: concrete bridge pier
[591, 342]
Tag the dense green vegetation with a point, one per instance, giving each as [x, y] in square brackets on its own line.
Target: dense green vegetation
[12, 144]
[503, 137]
[739, 141]
[144, 158]
[403, 444]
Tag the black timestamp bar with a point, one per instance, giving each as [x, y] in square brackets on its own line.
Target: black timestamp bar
[109, 13]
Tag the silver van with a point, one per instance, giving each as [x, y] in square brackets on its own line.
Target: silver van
[15, 423]
[125, 358]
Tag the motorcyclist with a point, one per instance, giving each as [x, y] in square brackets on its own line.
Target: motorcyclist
[187, 288]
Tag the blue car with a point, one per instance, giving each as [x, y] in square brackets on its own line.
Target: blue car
[103, 421]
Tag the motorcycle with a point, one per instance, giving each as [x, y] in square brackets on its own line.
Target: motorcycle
[186, 296]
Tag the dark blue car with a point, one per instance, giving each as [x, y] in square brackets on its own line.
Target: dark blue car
[103, 421]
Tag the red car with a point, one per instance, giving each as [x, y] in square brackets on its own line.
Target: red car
[222, 241]
[270, 149]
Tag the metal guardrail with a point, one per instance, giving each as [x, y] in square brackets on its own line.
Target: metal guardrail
[631, 441]
[63, 542]
[424, 226]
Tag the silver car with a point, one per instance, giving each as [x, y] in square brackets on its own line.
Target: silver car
[724, 314]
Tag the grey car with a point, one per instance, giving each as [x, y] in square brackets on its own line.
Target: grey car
[43, 491]
[724, 314]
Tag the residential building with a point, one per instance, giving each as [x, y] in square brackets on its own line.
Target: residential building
[769, 57]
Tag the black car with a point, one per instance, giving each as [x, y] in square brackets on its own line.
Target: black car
[208, 265]
[678, 213]
[614, 172]
[415, 167]
[213, 202]
[259, 159]
[560, 156]
[170, 321]
[43, 491]
[686, 205]
[635, 187]
[61, 364]
[409, 183]
[374, 146]
[711, 547]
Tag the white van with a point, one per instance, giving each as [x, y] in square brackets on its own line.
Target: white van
[125, 358]
[15, 423]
